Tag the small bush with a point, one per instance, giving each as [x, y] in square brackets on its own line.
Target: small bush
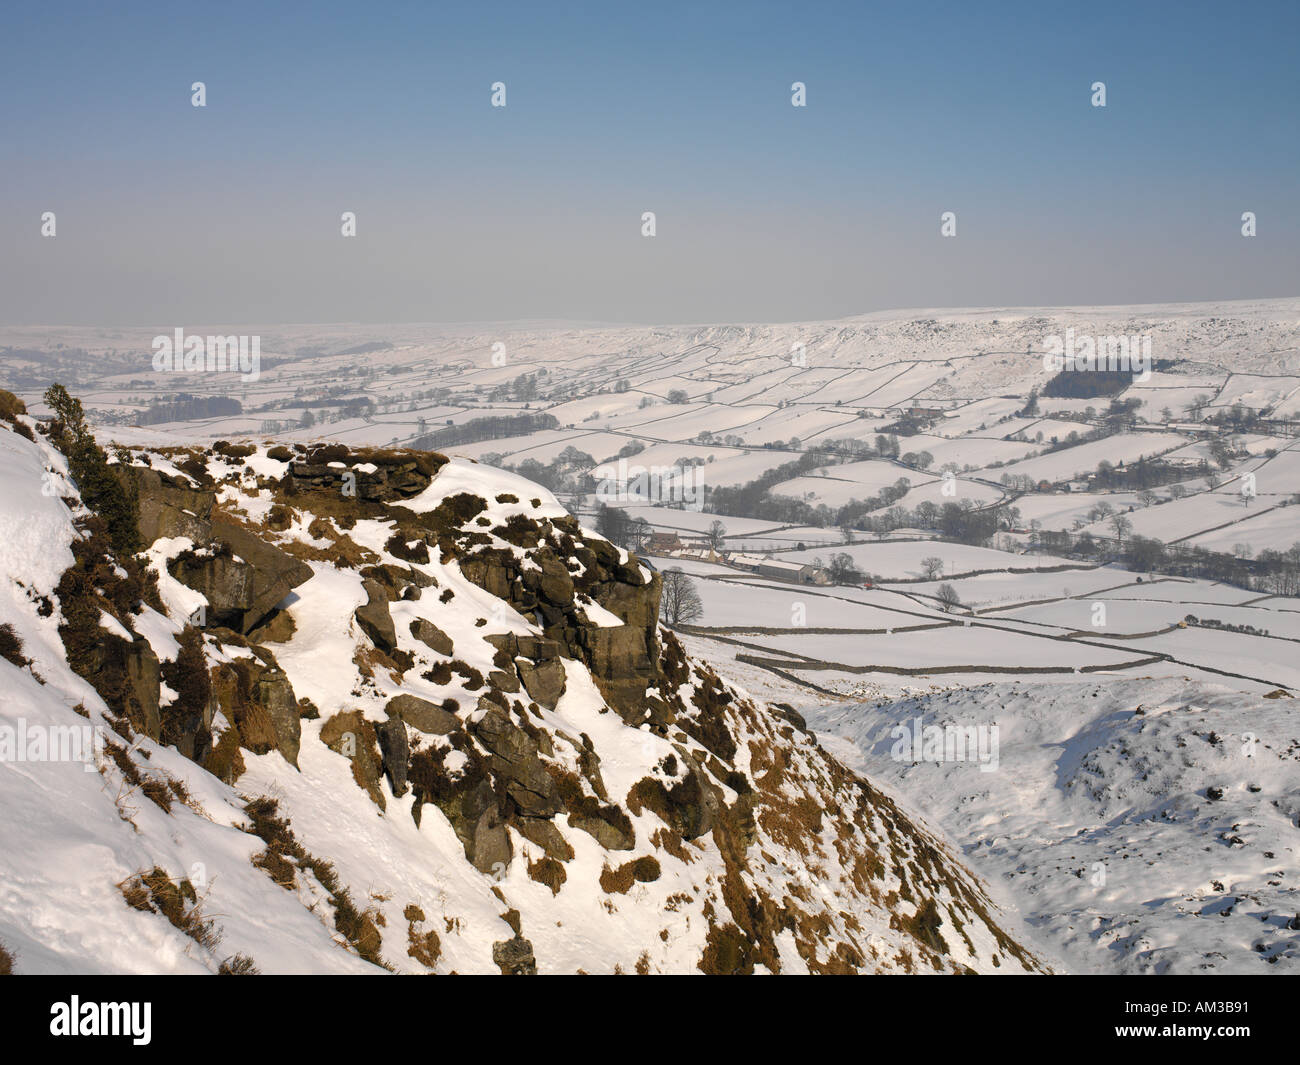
[157, 792]
[156, 892]
[11, 647]
[619, 881]
[412, 550]
[112, 497]
[284, 855]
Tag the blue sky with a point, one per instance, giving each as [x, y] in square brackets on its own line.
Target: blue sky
[230, 213]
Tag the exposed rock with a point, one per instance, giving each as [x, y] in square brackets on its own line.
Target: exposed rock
[143, 679]
[546, 835]
[544, 680]
[514, 758]
[275, 693]
[791, 715]
[348, 733]
[127, 674]
[623, 666]
[422, 715]
[489, 575]
[502, 681]
[224, 580]
[480, 827]
[169, 506]
[623, 658]
[244, 583]
[555, 584]
[429, 634]
[690, 806]
[396, 753]
[399, 474]
[278, 628]
[259, 700]
[401, 583]
[606, 833]
[515, 957]
[374, 618]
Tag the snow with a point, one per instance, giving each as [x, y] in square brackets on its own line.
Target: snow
[1084, 784]
[1098, 824]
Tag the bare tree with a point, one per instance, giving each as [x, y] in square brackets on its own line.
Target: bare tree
[933, 566]
[716, 535]
[1121, 526]
[948, 598]
[842, 569]
[679, 603]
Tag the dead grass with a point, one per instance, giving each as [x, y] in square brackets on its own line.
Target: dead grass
[424, 947]
[156, 892]
[11, 647]
[282, 859]
[550, 872]
[619, 881]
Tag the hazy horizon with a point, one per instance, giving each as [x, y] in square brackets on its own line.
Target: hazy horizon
[170, 214]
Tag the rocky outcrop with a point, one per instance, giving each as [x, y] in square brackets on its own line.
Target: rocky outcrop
[735, 806]
[399, 582]
[544, 681]
[480, 826]
[514, 759]
[432, 637]
[422, 715]
[395, 475]
[243, 580]
[623, 659]
[351, 735]
[141, 669]
[258, 700]
[395, 752]
[169, 506]
[279, 627]
[515, 957]
[374, 618]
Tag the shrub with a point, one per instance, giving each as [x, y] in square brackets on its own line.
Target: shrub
[11, 647]
[156, 892]
[188, 676]
[112, 497]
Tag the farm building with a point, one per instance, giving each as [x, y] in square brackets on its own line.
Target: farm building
[663, 543]
[800, 573]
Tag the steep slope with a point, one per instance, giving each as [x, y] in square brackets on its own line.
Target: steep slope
[1142, 826]
[375, 708]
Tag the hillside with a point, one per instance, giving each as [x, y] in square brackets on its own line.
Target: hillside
[357, 709]
[1142, 826]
